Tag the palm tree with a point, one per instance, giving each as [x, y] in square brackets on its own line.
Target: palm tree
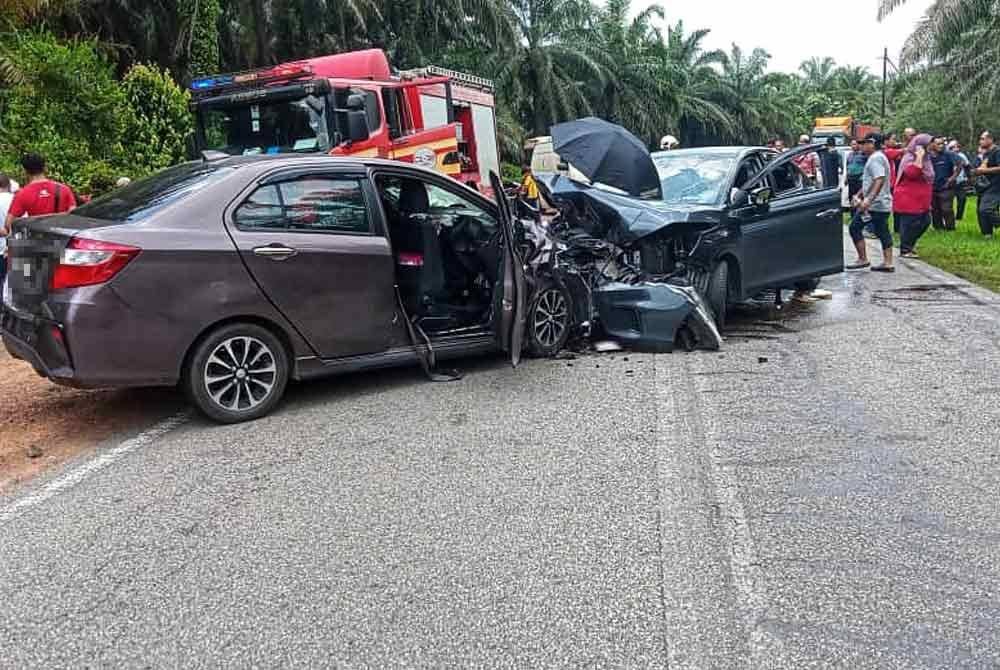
[744, 93]
[699, 87]
[959, 35]
[819, 73]
[547, 71]
[638, 94]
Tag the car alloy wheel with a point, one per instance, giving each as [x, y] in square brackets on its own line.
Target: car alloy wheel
[549, 320]
[240, 374]
[237, 372]
[551, 317]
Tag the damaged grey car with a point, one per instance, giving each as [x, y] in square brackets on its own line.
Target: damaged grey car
[731, 222]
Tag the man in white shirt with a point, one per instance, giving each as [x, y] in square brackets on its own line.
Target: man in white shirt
[7, 188]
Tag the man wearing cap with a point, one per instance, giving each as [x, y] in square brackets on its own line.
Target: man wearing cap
[873, 205]
[668, 142]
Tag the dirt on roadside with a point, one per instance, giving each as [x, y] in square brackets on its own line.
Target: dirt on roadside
[43, 424]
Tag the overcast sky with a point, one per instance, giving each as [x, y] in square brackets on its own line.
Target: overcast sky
[795, 30]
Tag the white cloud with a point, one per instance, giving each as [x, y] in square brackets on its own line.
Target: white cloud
[795, 30]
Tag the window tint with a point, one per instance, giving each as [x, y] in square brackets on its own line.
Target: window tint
[143, 198]
[322, 204]
[262, 210]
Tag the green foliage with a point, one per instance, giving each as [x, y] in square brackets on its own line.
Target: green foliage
[934, 101]
[202, 35]
[68, 107]
[159, 121]
[511, 173]
[91, 128]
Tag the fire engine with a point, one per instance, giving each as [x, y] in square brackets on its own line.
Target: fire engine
[353, 104]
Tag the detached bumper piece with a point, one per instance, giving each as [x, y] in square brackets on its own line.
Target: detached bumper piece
[654, 317]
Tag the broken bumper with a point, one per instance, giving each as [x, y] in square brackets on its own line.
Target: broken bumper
[648, 316]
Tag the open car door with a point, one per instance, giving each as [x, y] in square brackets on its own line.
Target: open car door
[510, 299]
[798, 234]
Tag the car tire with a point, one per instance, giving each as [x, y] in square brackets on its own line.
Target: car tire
[549, 319]
[716, 292]
[237, 373]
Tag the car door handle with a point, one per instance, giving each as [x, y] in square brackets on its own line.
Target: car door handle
[828, 212]
[275, 252]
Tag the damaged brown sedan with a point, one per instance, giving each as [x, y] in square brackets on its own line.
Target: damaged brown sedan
[233, 275]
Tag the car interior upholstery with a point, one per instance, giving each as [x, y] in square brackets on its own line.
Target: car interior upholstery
[446, 251]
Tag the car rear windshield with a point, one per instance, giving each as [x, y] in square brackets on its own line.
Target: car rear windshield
[141, 199]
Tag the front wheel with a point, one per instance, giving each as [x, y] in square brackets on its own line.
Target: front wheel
[550, 319]
[714, 288]
[237, 373]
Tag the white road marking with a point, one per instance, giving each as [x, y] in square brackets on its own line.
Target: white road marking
[78, 474]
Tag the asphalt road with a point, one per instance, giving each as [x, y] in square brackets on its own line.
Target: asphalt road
[822, 493]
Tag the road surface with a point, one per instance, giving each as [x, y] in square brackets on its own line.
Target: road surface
[822, 493]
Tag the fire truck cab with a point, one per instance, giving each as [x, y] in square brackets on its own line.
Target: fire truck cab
[353, 104]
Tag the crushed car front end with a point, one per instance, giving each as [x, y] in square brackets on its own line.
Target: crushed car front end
[635, 294]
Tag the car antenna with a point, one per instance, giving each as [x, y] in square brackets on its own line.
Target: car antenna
[211, 155]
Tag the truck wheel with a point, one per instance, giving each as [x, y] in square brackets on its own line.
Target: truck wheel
[237, 373]
[550, 319]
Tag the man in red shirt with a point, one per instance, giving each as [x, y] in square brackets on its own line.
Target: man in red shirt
[807, 162]
[40, 195]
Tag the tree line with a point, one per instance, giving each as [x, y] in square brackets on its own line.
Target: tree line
[552, 60]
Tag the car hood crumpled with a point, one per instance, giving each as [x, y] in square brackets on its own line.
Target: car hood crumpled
[620, 219]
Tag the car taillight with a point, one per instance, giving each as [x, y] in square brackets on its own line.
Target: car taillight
[87, 262]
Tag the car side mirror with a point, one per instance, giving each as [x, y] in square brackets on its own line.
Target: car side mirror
[357, 126]
[738, 198]
[563, 166]
[356, 102]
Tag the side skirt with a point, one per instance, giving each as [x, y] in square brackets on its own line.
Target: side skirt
[311, 367]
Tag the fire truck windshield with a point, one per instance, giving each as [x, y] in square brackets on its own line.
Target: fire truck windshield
[266, 127]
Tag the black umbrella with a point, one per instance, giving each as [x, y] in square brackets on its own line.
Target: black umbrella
[606, 153]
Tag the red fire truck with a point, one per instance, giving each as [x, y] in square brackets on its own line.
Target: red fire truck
[353, 104]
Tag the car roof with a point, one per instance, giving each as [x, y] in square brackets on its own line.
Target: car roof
[724, 152]
[269, 162]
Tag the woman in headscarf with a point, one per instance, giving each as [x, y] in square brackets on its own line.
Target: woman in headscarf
[912, 196]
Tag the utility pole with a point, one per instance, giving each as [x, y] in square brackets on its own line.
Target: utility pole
[885, 77]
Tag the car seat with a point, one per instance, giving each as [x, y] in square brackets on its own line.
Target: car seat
[420, 266]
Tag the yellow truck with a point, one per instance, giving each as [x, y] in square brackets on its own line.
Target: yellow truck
[842, 129]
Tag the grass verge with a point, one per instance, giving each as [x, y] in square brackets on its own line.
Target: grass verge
[964, 252]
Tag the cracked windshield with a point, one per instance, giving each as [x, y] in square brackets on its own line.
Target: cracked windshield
[507, 334]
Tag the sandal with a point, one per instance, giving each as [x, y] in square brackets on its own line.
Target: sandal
[859, 265]
[883, 268]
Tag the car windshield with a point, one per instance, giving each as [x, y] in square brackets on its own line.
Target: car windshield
[144, 197]
[268, 127]
[693, 178]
